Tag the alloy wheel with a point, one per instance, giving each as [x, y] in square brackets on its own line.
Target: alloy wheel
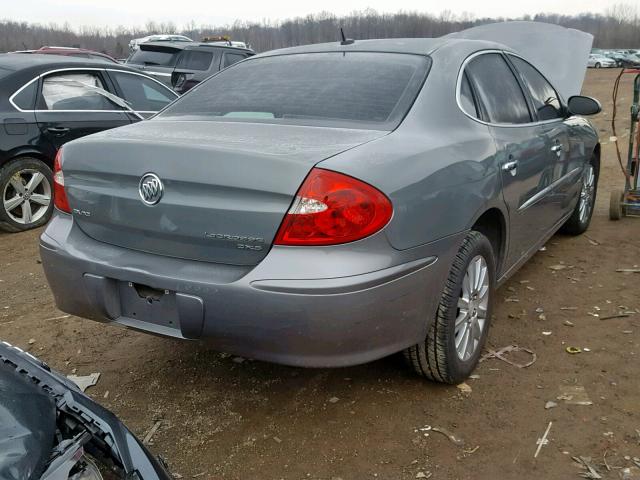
[27, 196]
[587, 194]
[472, 308]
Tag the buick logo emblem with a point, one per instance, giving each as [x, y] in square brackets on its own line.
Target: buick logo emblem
[150, 188]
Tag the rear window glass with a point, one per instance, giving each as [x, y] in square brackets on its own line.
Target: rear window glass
[358, 89]
[164, 58]
[195, 60]
[142, 94]
[231, 58]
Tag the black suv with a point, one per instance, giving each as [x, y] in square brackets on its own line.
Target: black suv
[182, 65]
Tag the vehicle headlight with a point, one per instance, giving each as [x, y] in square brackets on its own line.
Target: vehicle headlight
[85, 469]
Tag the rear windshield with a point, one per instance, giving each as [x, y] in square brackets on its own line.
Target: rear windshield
[354, 89]
[163, 58]
[195, 60]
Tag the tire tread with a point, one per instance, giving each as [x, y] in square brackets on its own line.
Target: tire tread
[429, 358]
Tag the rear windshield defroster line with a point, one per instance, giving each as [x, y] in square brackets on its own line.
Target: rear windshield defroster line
[354, 89]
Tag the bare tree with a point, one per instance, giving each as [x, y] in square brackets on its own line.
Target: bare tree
[618, 27]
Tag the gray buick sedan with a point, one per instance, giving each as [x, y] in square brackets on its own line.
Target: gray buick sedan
[328, 205]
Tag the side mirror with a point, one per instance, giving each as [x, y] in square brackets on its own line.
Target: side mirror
[580, 105]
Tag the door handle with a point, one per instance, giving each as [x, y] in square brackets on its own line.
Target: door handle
[557, 149]
[510, 167]
[58, 131]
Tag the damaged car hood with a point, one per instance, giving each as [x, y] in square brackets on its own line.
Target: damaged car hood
[560, 53]
[33, 398]
[27, 426]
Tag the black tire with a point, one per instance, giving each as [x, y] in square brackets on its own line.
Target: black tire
[16, 166]
[436, 357]
[576, 224]
[598, 65]
[616, 212]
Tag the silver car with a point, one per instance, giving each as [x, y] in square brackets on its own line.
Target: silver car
[600, 61]
[342, 202]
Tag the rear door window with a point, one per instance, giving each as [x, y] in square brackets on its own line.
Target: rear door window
[498, 89]
[141, 93]
[75, 91]
[195, 60]
[545, 98]
[26, 98]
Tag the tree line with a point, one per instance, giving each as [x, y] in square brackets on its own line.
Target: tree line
[618, 27]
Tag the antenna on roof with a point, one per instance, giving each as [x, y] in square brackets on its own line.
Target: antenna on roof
[345, 40]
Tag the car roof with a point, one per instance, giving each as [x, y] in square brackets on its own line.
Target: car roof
[47, 48]
[69, 51]
[416, 46]
[190, 45]
[33, 64]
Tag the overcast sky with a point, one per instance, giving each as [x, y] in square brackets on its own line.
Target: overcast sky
[218, 12]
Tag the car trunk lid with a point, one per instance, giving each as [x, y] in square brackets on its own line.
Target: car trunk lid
[227, 185]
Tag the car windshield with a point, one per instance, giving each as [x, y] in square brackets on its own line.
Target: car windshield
[354, 89]
[161, 57]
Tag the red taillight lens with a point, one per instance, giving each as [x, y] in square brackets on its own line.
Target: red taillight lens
[60, 199]
[332, 208]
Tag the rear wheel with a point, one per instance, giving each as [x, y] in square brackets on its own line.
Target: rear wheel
[579, 220]
[26, 193]
[457, 335]
[616, 210]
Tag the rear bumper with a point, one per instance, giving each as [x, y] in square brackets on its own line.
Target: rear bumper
[302, 307]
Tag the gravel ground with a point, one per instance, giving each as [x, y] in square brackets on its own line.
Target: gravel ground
[225, 417]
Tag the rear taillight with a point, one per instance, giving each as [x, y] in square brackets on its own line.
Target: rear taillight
[332, 208]
[60, 199]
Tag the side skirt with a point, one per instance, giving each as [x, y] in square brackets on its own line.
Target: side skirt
[531, 252]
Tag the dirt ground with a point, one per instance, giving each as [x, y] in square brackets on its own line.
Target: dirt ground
[227, 418]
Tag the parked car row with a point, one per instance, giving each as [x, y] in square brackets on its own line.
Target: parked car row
[175, 60]
[597, 60]
[182, 65]
[628, 58]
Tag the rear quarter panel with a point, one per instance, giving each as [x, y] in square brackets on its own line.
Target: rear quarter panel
[439, 167]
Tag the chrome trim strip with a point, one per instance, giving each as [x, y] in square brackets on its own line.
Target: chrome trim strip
[91, 111]
[489, 124]
[160, 74]
[92, 69]
[538, 196]
[20, 90]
